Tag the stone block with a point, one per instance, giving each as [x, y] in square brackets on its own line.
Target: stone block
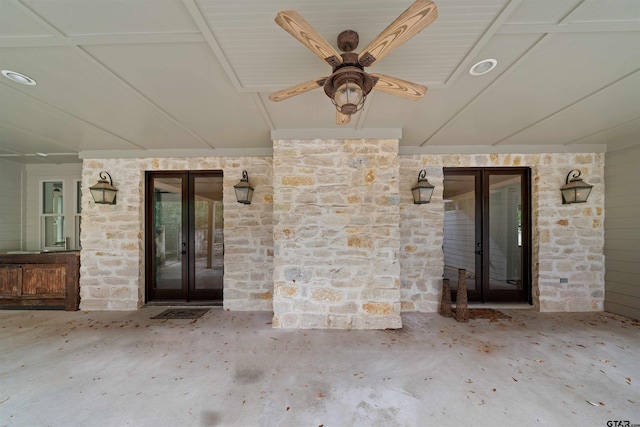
[377, 308]
[324, 294]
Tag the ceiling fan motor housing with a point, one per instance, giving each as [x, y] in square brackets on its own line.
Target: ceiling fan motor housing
[350, 71]
[348, 41]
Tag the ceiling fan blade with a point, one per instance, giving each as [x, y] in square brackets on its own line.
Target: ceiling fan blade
[413, 20]
[297, 89]
[342, 119]
[293, 23]
[399, 87]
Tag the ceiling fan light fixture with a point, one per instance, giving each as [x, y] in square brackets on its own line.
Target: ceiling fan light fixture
[19, 77]
[483, 67]
[348, 88]
[349, 98]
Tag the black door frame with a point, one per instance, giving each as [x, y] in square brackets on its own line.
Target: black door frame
[482, 291]
[188, 292]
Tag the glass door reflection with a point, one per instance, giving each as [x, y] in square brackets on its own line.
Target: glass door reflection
[168, 244]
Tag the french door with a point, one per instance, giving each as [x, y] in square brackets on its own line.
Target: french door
[487, 232]
[184, 247]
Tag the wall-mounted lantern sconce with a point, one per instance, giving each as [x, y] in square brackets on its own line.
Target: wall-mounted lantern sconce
[423, 190]
[104, 192]
[244, 191]
[575, 190]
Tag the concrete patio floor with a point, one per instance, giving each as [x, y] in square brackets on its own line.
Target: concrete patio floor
[232, 369]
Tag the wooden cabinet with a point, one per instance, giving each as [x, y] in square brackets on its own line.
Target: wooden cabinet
[46, 280]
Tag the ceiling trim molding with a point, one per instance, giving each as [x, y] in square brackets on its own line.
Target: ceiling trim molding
[37, 18]
[502, 149]
[610, 128]
[575, 27]
[488, 34]
[73, 116]
[566, 107]
[334, 133]
[103, 67]
[203, 26]
[96, 63]
[113, 39]
[533, 49]
[178, 153]
[34, 135]
[257, 100]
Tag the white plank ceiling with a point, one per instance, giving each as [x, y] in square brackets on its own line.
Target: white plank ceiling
[192, 77]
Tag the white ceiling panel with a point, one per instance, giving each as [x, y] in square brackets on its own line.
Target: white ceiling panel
[133, 75]
[82, 17]
[68, 79]
[609, 108]
[17, 21]
[47, 123]
[542, 11]
[22, 141]
[546, 81]
[191, 94]
[606, 11]
[423, 118]
[616, 138]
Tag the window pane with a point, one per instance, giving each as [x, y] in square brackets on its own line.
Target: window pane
[52, 197]
[54, 231]
[168, 242]
[208, 232]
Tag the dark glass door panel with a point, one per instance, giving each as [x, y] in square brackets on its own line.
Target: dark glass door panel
[207, 237]
[461, 250]
[486, 232]
[184, 236]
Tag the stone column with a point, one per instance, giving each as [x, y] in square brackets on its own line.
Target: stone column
[336, 234]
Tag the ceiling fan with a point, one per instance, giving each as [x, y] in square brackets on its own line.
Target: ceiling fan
[349, 84]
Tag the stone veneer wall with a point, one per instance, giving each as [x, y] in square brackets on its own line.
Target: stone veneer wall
[336, 234]
[567, 240]
[112, 259]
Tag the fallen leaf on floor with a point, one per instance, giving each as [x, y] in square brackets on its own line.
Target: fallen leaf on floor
[628, 380]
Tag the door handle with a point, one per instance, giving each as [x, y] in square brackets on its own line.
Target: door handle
[183, 252]
[478, 252]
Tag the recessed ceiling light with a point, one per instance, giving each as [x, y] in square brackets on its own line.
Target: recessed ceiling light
[483, 67]
[18, 77]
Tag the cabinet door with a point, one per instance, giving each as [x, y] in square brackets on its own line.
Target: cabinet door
[9, 279]
[43, 279]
